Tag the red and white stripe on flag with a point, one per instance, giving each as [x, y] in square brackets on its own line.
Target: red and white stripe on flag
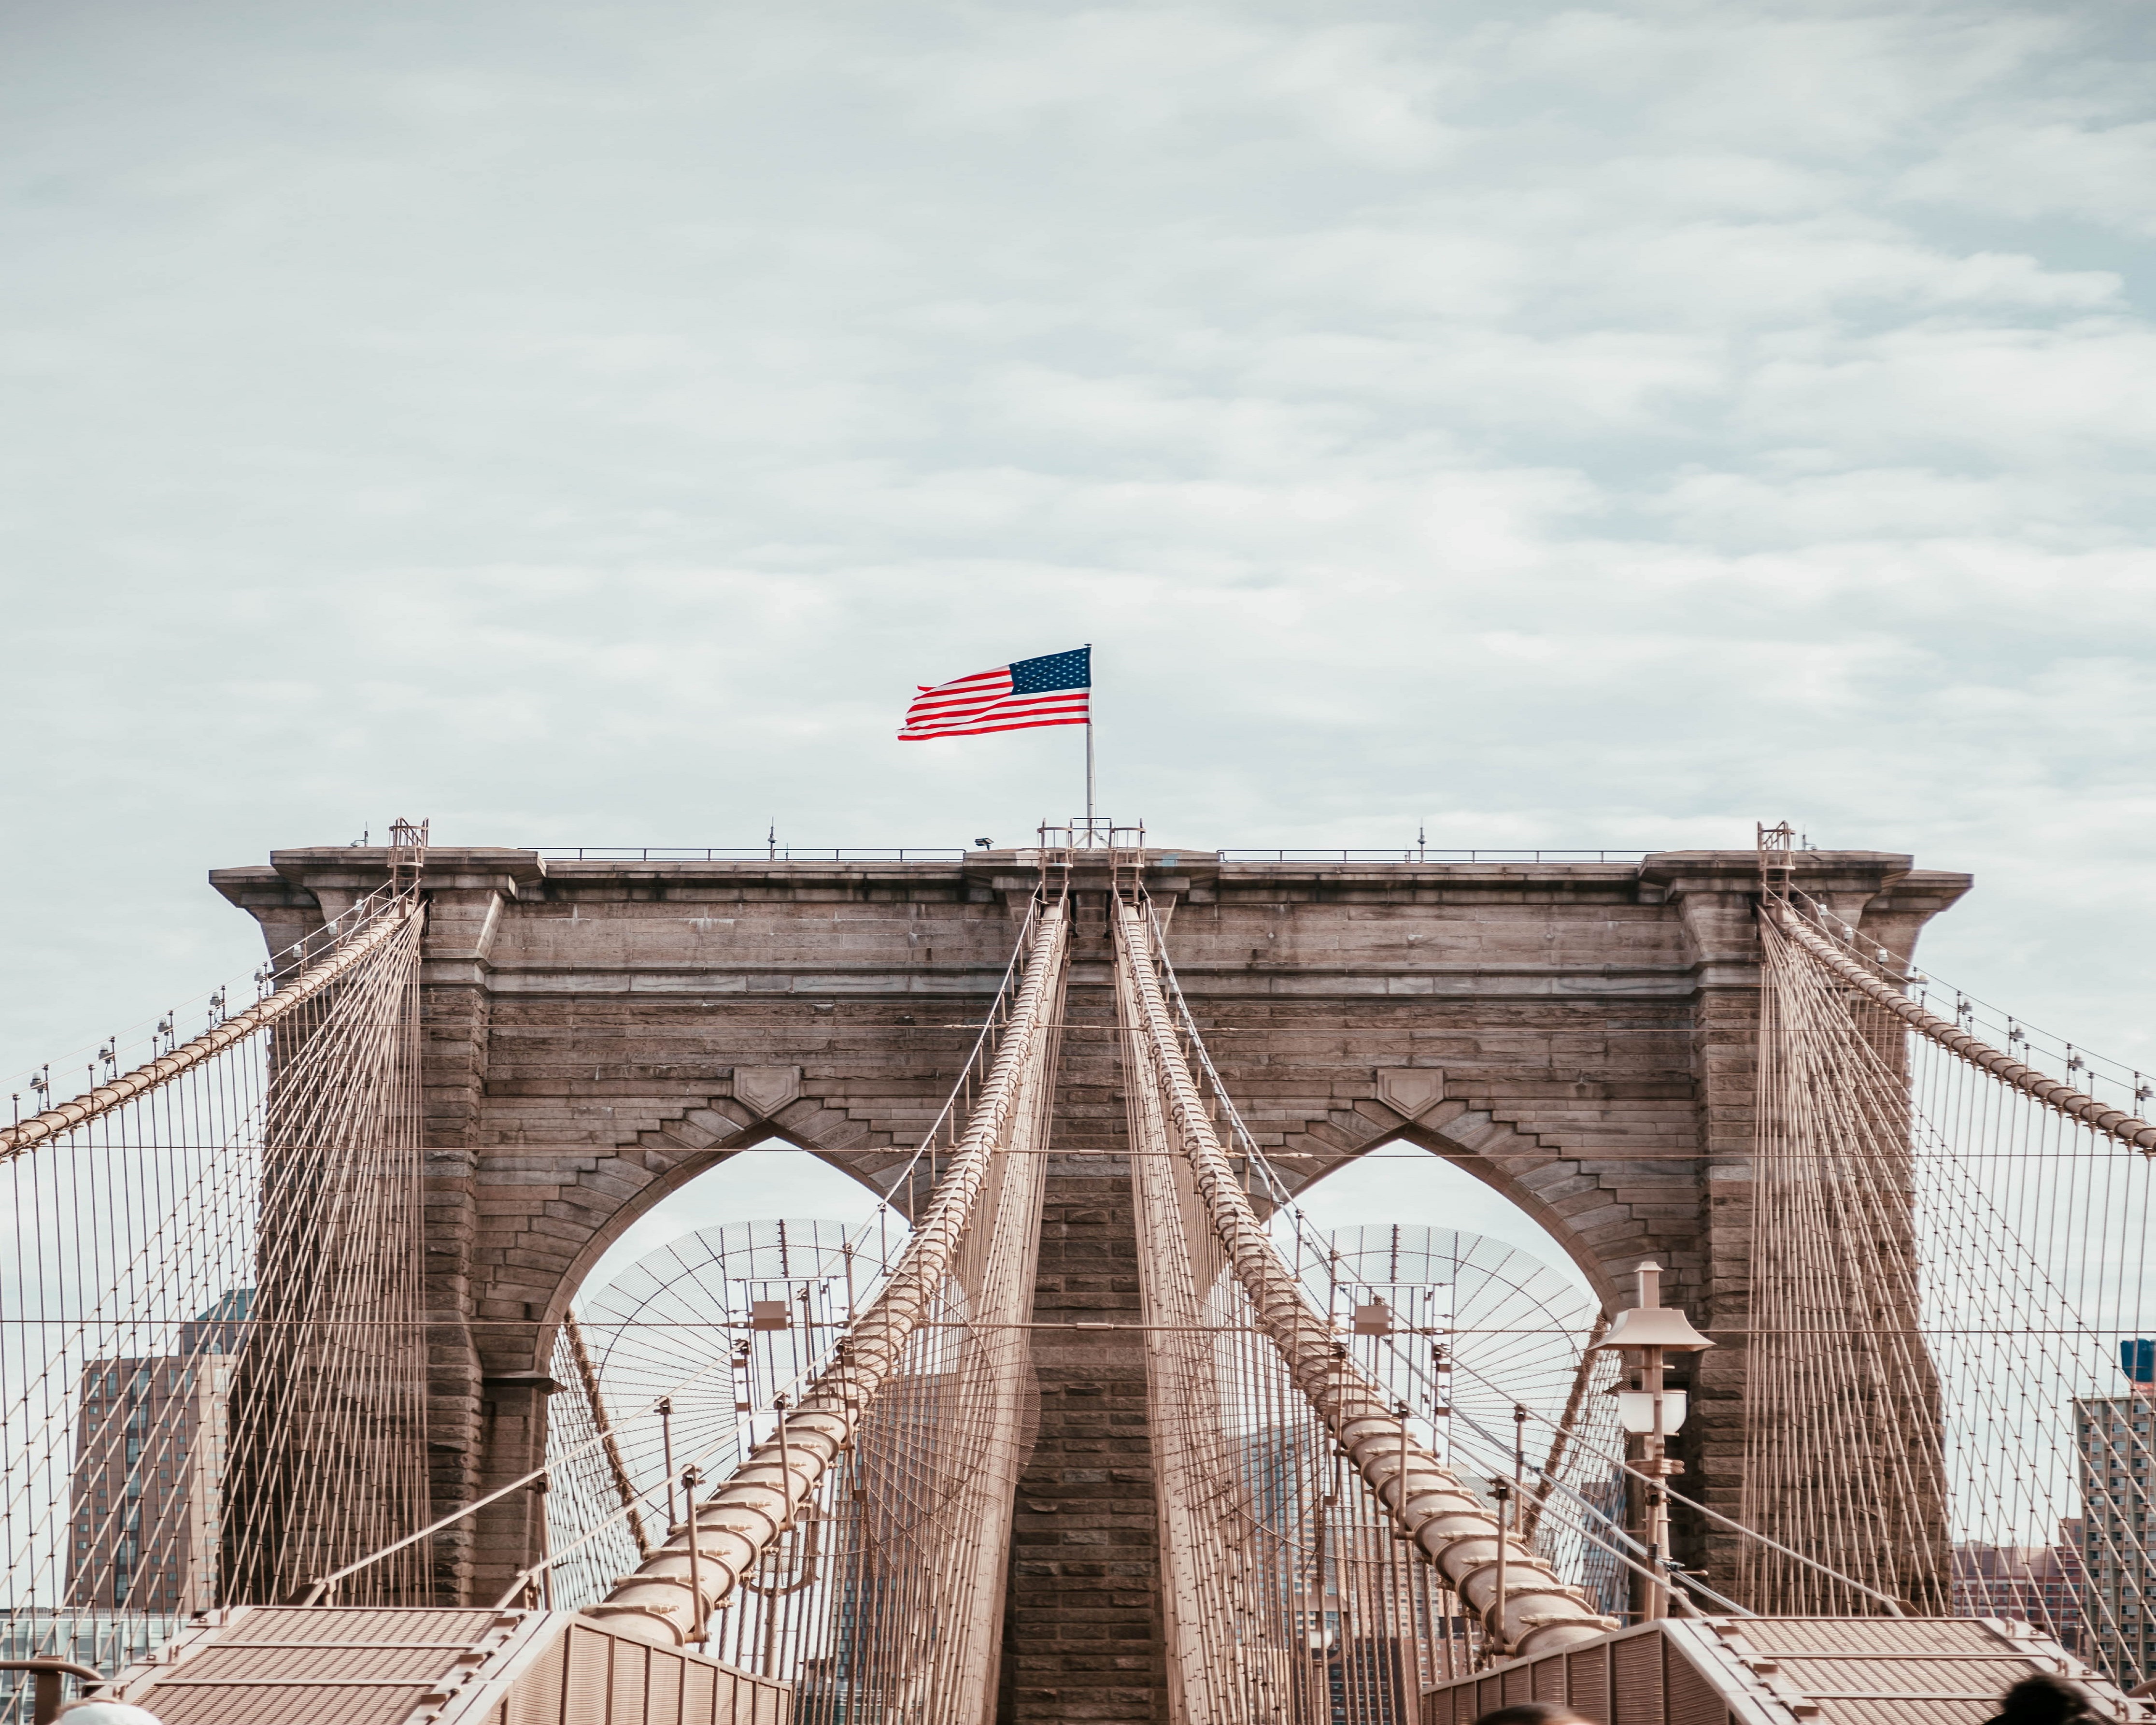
[1054, 689]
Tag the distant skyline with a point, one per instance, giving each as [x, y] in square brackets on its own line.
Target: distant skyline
[1549, 425]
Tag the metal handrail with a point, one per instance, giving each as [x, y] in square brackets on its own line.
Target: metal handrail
[47, 1670]
[916, 853]
[745, 852]
[1420, 853]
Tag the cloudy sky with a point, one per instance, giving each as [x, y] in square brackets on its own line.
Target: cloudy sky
[1555, 425]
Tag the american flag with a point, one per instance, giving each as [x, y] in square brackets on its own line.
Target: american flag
[1054, 690]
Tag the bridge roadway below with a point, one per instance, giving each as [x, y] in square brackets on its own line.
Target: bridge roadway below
[1580, 1036]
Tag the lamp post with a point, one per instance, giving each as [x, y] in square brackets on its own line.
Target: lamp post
[1647, 1332]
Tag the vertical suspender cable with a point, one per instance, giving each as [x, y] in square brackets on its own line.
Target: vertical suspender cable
[1535, 1611]
[658, 1602]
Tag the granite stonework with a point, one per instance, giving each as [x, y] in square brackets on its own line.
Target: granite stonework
[1579, 1035]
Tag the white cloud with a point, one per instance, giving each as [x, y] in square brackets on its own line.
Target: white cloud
[1565, 425]
[1143, 77]
[2105, 174]
[2034, 397]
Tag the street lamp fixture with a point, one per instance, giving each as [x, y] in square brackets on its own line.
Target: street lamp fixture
[1646, 1333]
[1635, 1411]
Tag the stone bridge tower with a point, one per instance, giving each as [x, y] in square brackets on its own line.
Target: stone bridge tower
[1578, 1035]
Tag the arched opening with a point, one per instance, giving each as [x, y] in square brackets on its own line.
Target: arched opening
[1400, 1181]
[1479, 1321]
[777, 1174]
[687, 1331]
[765, 1181]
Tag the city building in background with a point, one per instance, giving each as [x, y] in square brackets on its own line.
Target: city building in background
[2119, 1581]
[2037, 1584]
[147, 1486]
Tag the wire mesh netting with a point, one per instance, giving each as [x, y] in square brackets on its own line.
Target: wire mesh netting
[212, 1360]
[1291, 1392]
[1499, 1340]
[212, 1363]
[882, 1600]
[1950, 1388]
[865, 1399]
[679, 1363]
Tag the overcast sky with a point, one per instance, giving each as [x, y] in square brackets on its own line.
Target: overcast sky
[1560, 426]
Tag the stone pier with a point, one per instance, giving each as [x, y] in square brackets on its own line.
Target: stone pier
[1578, 1035]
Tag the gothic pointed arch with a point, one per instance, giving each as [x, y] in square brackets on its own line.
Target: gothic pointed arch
[761, 1106]
[1585, 1202]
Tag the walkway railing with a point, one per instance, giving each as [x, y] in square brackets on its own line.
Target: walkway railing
[745, 852]
[914, 853]
[1430, 854]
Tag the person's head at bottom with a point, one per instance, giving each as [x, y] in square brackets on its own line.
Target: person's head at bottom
[2041, 1700]
[106, 1713]
[1533, 1713]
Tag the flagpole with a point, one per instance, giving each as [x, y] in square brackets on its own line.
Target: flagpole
[1089, 738]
